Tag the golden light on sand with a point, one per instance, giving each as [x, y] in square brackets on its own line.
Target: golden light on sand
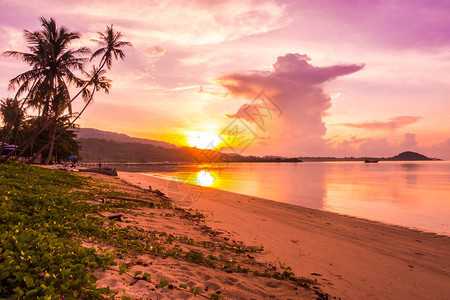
[205, 178]
[202, 140]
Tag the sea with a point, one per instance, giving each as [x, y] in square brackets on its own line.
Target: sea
[410, 194]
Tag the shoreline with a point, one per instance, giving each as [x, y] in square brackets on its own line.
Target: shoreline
[379, 222]
[351, 257]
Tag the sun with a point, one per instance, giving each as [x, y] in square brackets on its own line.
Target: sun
[202, 140]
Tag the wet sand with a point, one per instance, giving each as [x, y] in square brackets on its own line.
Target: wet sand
[352, 258]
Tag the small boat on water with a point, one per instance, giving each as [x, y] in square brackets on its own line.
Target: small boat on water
[370, 161]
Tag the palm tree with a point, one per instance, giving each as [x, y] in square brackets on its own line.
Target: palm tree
[12, 115]
[110, 42]
[52, 65]
[110, 47]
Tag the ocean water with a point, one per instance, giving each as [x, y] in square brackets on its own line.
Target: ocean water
[411, 194]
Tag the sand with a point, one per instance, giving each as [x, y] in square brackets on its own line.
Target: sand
[351, 258]
[192, 234]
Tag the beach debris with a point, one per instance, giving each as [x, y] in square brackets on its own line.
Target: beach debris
[112, 217]
[105, 171]
[159, 193]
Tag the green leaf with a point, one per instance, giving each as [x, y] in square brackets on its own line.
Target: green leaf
[18, 292]
[137, 273]
[195, 290]
[163, 283]
[31, 293]
[4, 275]
[214, 296]
[147, 276]
[29, 281]
[183, 286]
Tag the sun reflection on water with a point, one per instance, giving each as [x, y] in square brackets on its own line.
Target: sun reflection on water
[205, 178]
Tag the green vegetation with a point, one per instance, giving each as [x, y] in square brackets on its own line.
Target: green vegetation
[39, 218]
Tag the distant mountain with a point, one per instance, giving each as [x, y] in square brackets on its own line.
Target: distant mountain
[107, 150]
[404, 156]
[409, 155]
[106, 146]
[91, 133]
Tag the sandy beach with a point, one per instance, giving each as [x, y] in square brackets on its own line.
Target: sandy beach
[351, 258]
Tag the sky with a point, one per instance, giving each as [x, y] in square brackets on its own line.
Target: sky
[292, 78]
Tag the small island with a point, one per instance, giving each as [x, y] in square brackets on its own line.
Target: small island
[409, 156]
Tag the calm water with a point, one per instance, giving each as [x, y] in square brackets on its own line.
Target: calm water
[413, 194]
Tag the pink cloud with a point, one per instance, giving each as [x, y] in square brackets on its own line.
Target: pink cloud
[371, 147]
[155, 51]
[409, 141]
[392, 124]
[296, 87]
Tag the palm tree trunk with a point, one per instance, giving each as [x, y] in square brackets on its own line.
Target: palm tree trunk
[52, 145]
[51, 142]
[102, 65]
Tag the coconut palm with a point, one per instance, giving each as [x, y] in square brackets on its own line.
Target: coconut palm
[52, 65]
[110, 43]
[110, 40]
[98, 82]
[12, 115]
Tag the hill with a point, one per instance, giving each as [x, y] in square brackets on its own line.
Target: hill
[102, 150]
[108, 150]
[409, 155]
[91, 133]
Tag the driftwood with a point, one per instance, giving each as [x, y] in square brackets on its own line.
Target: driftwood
[112, 217]
[104, 170]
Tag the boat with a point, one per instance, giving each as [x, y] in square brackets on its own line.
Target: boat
[370, 161]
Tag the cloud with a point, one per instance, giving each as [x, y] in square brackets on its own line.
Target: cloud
[171, 21]
[295, 87]
[409, 141]
[155, 51]
[392, 124]
[371, 147]
[440, 150]
[378, 147]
